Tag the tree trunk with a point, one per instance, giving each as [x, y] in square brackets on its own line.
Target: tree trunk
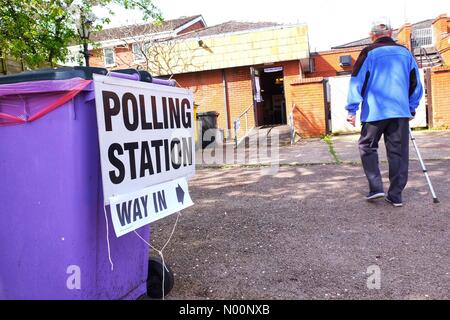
[3, 63]
[50, 59]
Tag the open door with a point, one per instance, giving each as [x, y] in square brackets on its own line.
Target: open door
[268, 96]
[258, 102]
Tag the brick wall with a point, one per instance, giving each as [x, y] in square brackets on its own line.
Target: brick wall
[209, 94]
[209, 91]
[440, 90]
[327, 63]
[404, 35]
[124, 57]
[240, 95]
[445, 50]
[441, 32]
[308, 97]
[292, 73]
[96, 58]
[440, 28]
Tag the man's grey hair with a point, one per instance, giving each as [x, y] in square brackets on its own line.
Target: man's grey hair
[381, 26]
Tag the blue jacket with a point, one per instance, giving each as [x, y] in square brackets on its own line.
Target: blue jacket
[386, 80]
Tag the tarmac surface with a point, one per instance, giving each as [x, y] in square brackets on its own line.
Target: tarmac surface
[304, 231]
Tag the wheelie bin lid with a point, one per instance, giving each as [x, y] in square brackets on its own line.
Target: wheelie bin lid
[28, 96]
[208, 114]
[63, 73]
[144, 76]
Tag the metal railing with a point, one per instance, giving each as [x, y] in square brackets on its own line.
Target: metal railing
[422, 37]
[292, 128]
[424, 53]
[238, 126]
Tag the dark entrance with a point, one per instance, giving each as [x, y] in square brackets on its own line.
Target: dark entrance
[268, 96]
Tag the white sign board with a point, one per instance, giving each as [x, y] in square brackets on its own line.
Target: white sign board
[146, 138]
[420, 120]
[132, 211]
[271, 70]
[338, 92]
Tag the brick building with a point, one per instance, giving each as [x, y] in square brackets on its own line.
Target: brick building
[256, 74]
[126, 47]
[241, 70]
[244, 72]
[428, 39]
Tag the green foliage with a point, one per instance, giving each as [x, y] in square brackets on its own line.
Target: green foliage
[328, 139]
[38, 32]
[146, 6]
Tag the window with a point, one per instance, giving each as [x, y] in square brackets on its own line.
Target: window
[345, 61]
[138, 52]
[109, 57]
[422, 37]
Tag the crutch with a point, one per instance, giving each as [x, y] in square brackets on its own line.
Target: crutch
[425, 171]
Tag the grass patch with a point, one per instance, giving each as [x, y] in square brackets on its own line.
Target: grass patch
[328, 139]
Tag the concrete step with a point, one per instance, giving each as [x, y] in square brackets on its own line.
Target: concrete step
[270, 133]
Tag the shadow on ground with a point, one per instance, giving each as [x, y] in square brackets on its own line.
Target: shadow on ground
[306, 233]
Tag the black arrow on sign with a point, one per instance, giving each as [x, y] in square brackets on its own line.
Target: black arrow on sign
[180, 194]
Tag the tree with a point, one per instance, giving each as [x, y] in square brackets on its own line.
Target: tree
[54, 31]
[17, 28]
[38, 32]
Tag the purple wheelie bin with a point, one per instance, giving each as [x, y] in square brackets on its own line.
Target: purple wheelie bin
[53, 235]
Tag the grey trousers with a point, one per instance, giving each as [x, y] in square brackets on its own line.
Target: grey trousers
[396, 138]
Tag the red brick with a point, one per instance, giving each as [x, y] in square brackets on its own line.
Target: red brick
[440, 90]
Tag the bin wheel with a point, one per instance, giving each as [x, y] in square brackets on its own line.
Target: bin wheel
[155, 278]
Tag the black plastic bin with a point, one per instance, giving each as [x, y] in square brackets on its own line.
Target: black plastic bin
[208, 121]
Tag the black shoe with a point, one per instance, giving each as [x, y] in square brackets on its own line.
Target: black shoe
[395, 204]
[374, 196]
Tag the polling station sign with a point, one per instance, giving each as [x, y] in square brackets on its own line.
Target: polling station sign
[146, 137]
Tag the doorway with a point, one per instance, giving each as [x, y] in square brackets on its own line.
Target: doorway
[268, 96]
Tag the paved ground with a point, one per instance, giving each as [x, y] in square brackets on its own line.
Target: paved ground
[306, 233]
[432, 145]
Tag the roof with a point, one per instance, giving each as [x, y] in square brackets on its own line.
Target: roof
[142, 29]
[229, 27]
[366, 41]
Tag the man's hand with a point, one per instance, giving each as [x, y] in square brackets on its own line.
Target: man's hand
[351, 119]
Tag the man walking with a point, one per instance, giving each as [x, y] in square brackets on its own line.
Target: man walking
[386, 81]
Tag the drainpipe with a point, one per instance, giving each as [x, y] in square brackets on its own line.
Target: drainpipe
[226, 105]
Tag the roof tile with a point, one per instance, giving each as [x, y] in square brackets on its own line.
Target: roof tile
[229, 27]
[141, 29]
